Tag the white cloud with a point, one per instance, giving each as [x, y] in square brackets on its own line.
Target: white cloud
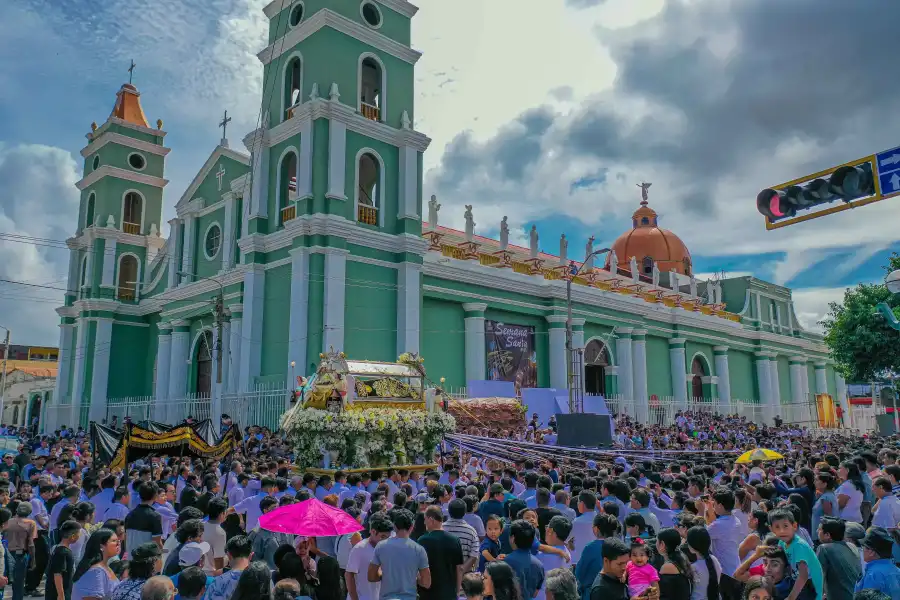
[811, 305]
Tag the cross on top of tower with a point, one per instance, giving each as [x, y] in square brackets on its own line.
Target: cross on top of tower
[131, 71]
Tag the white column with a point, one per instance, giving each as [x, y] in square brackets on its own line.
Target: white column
[337, 160]
[174, 254]
[299, 313]
[776, 387]
[765, 386]
[215, 399]
[237, 333]
[100, 376]
[639, 364]
[806, 392]
[163, 362]
[409, 292]
[251, 344]
[108, 259]
[558, 371]
[335, 298]
[187, 257]
[259, 195]
[724, 386]
[305, 161]
[72, 282]
[226, 357]
[821, 379]
[178, 368]
[66, 334]
[408, 206]
[841, 389]
[626, 372]
[228, 232]
[798, 373]
[81, 351]
[678, 361]
[476, 359]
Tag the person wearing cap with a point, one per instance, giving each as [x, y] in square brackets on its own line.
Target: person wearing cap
[191, 555]
[145, 562]
[880, 573]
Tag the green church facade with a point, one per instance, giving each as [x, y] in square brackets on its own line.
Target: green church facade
[315, 238]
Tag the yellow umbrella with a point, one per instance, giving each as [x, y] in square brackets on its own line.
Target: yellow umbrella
[759, 454]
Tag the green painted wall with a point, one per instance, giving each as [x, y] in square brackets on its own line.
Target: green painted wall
[394, 25]
[109, 198]
[443, 341]
[316, 302]
[734, 293]
[389, 156]
[659, 367]
[742, 372]
[203, 266]
[784, 379]
[371, 291]
[276, 317]
[129, 374]
[209, 190]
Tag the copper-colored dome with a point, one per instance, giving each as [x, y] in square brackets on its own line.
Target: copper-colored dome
[647, 241]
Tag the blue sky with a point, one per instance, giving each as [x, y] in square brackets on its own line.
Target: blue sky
[550, 118]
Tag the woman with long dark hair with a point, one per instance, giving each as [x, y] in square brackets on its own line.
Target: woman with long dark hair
[329, 574]
[707, 569]
[500, 581]
[826, 504]
[850, 493]
[759, 529]
[805, 485]
[675, 576]
[93, 579]
[255, 583]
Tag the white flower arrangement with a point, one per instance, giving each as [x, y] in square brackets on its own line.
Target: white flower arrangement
[377, 437]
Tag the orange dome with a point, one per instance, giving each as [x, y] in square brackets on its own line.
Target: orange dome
[651, 245]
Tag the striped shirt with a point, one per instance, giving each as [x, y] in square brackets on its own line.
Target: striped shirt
[466, 535]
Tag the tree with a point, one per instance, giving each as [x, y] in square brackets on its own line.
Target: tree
[862, 344]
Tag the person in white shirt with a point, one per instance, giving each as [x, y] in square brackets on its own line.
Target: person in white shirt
[583, 525]
[214, 535]
[887, 508]
[725, 530]
[356, 576]
[850, 493]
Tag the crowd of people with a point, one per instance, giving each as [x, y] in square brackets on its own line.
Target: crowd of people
[669, 516]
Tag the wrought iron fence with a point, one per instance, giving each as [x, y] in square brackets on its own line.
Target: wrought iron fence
[263, 406]
[140, 408]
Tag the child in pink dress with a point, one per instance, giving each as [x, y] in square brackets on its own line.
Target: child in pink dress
[641, 574]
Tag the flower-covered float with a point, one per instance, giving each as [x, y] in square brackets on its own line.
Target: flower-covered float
[356, 414]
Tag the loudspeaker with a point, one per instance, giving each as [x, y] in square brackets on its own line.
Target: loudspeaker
[584, 429]
[884, 423]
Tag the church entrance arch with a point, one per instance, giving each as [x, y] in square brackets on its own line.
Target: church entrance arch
[596, 367]
[698, 372]
[203, 358]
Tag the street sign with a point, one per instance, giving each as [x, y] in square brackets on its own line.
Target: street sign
[888, 165]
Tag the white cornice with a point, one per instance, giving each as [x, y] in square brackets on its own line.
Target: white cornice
[90, 234]
[110, 171]
[341, 113]
[211, 208]
[111, 137]
[117, 121]
[332, 225]
[328, 18]
[218, 152]
[401, 6]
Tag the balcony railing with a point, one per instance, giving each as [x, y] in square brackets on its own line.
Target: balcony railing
[126, 294]
[367, 214]
[288, 213]
[370, 112]
[134, 228]
[289, 112]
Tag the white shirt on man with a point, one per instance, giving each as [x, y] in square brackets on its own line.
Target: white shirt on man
[358, 564]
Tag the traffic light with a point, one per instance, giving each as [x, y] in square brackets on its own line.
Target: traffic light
[805, 198]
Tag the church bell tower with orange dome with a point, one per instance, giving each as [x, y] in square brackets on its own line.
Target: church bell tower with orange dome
[650, 245]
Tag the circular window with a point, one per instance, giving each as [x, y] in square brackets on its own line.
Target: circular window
[137, 161]
[96, 163]
[371, 14]
[296, 15]
[213, 241]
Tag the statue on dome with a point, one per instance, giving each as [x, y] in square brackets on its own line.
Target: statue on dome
[433, 208]
[673, 280]
[693, 286]
[563, 249]
[645, 187]
[655, 274]
[470, 223]
[504, 235]
[635, 274]
[534, 241]
[613, 262]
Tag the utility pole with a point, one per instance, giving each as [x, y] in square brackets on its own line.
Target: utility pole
[574, 271]
[3, 379]
[220, 324]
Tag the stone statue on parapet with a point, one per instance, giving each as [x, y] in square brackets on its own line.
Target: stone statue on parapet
[504, 234]
[433, 208]
[533, 237]
[563, 249]
[470, 223]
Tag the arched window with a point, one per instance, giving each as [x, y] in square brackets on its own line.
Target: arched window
[293, 85]
[128, 277]
[368, 188]
[596, 365]
[687, 266]
[698, 372]
[89, 210]
[645, 221]
[132, 213]
[203, 358]
[287, 194]
[647, 265]
[371, 88]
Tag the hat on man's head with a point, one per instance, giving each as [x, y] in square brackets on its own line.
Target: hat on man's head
[854, 531]
[422, 497]
[879, 541]
[191, 553]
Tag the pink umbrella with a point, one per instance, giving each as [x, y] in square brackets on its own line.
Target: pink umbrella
[310, 518]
